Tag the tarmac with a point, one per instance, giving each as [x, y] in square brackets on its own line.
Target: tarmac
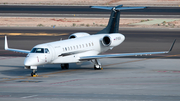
[122, 79]
[148, 78]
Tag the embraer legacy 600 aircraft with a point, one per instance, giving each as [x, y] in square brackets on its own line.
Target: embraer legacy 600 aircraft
[81, 46]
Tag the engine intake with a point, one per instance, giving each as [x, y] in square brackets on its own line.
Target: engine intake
[72, 36]
[106, 41]
[79, 34]
[112, 40]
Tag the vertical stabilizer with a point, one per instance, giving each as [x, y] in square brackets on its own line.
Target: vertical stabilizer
[113, 24]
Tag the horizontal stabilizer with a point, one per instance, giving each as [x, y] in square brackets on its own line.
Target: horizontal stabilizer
[118, 8]
[129, 8]
[101, 7]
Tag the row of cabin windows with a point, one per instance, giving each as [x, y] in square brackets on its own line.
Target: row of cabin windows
[78, 46]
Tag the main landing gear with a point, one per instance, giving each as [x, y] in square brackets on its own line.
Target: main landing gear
[65, 66]
[34, 73]
[97, 65]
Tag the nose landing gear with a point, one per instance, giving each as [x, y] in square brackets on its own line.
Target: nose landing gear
[34, 68]
[34, 73]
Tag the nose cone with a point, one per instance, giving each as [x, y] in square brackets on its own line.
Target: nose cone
[33, 59]
[29, 61]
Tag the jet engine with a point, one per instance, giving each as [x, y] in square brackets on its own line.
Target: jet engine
[79, 34]
[112, 39]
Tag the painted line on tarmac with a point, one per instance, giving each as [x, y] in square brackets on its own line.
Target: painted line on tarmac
[64, 71]
[44, 75]
[4, 58]
[78, 69]
[29, 96]
[141, 60]
[34, 34]
[117, 78]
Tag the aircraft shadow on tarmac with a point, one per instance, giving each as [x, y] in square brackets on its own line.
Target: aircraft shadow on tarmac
[49, 68]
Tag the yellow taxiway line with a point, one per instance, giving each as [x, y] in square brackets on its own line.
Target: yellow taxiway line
[46, 75]
[34, 34]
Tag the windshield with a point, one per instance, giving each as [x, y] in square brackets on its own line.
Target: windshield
[40, 50]
[37, 50]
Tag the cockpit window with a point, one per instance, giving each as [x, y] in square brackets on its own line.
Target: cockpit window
[40, 50]
[46, 50]
[37, 50]
[33, 50]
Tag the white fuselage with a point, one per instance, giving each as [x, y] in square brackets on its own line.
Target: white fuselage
[70, 50]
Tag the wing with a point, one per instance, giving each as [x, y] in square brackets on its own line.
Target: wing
[14, 50]
[125, 54]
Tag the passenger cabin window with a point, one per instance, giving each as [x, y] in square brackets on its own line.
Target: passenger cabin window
[71, 47]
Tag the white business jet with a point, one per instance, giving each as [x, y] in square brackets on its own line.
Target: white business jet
[81, 46]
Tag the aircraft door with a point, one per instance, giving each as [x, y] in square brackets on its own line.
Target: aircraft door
[47, 55]
[50, 55]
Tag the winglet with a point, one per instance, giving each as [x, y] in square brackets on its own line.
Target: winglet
[172, 45]
[5, 43]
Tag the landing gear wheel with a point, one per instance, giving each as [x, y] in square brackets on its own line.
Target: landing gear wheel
[97, 67]
[64, 66]
[34, 73]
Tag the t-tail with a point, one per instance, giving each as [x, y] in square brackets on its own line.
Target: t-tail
[113, 24]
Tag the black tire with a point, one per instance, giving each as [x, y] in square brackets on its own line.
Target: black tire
[62, 66]
[97, 68]
[66, 66]
[32, 74]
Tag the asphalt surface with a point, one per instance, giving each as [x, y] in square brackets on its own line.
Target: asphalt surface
[85, 15]
[120, 80]
[137, 40]
[85, 11]
[150, 78]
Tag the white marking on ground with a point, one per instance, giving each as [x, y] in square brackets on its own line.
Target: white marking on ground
[29, 96]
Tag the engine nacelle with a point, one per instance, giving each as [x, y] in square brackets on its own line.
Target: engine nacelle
[112, 39]
[79, 34]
